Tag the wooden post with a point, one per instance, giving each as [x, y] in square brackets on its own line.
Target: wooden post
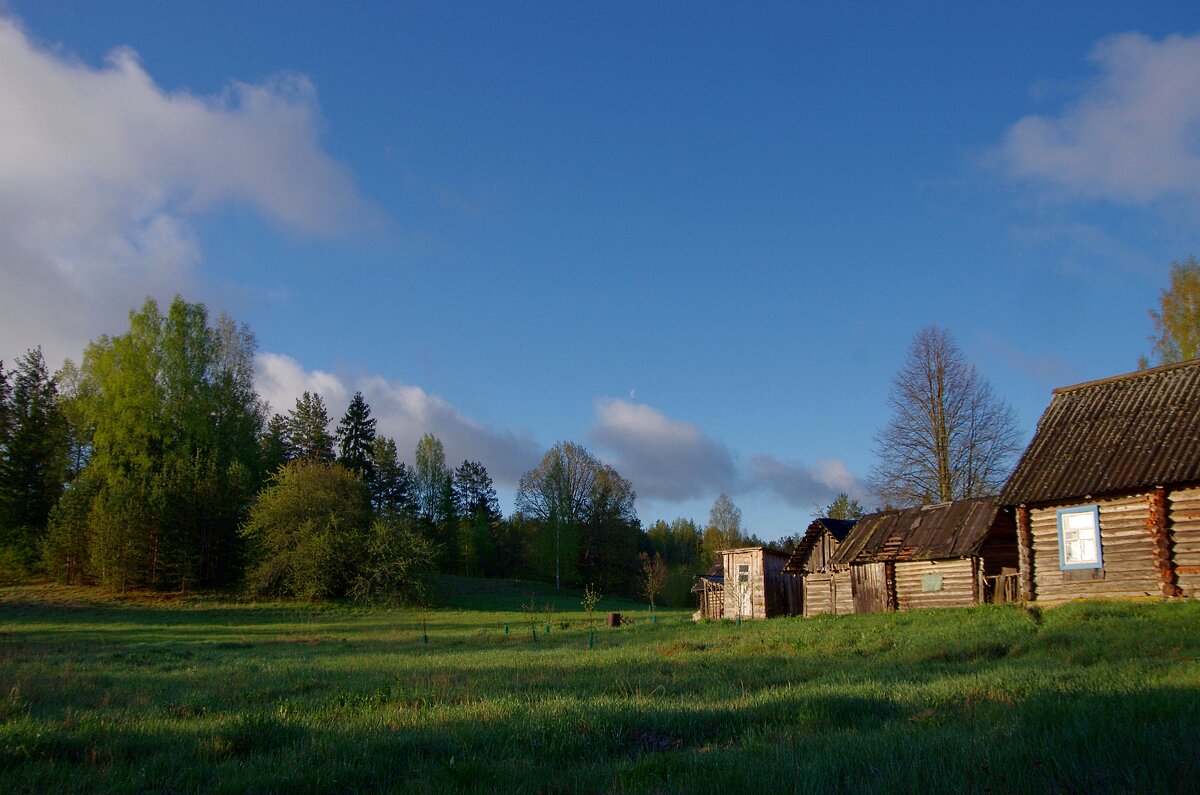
[1156, 523]
[1025, 552]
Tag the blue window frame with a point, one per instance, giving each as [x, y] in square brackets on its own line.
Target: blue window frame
[1079, 538]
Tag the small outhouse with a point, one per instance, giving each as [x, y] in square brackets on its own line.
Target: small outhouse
[755, 585]
[1107, 495]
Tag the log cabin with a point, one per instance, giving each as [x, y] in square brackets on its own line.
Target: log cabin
[1107, 495]
[819, 587]
[953, 554]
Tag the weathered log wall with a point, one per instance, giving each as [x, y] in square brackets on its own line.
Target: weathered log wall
[959, 583]
[1126, 550]
[1183, 513]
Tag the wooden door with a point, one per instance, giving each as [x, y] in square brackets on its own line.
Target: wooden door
[869, 584]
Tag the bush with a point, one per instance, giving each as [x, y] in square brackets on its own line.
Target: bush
[397, 566]
[307, 535]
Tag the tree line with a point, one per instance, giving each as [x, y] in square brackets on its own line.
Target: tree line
[155, 464]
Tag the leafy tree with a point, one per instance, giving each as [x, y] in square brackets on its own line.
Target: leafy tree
[610, 533]
[175, 442]
[434, 491]
[356, 438]
[950, 436]
[724, 529]
[432, 480]
[392, 487]
[557, 494]
[308, 430]
[1177, 322]
[308, 532]
[843, 507]
[34, 465]
[75, 390]
[585, 509]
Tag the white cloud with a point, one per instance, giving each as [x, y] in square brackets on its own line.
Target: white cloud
[1130, 137]
[403, 412]
[664, 458]
[101, 169]
[804, 486]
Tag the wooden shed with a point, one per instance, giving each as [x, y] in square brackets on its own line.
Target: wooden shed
[954, 554]
[755, 584]
[1107, 495]
[820, 586]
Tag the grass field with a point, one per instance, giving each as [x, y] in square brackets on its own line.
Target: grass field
[104, 694]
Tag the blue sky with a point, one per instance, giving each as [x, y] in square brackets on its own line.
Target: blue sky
[696, 238]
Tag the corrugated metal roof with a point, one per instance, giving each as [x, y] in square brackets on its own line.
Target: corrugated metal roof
[1132, 431]
[838, 528]
[931, 532]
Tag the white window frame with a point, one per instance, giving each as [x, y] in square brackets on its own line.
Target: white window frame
[1070, 536]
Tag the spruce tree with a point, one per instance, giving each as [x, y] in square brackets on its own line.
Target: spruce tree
[356, 438]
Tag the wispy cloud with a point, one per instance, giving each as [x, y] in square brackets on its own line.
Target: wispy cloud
[1129, 137]
[802, 485]
[405, 413]
[101, 171]
[664, 458]
[670, 460]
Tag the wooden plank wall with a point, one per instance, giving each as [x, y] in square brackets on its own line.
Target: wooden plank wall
[1183, 513]
[828, 593]
[1126, 551]
[959, 585]
[818, 594]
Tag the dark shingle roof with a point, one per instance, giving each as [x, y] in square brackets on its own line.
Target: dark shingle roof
[838, 528]
[931, 532]
[1133, 431]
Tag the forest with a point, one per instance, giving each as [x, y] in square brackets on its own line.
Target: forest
[154, 464]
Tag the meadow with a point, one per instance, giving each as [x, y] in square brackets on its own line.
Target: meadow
[209, 694]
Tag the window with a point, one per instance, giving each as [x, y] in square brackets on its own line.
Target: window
[931, 583]
[1079, 538]
[743, 572]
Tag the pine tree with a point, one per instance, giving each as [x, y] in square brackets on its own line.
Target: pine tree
[308, 429]
[356, 438]
[392, 487]
[33, 469]
[275, 446]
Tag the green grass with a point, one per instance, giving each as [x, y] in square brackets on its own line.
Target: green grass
[103, 694]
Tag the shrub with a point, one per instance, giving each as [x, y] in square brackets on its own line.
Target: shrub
[307, 533]
[397, 564]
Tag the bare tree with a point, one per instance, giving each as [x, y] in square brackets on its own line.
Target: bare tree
[950, 436]
[653, 576]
